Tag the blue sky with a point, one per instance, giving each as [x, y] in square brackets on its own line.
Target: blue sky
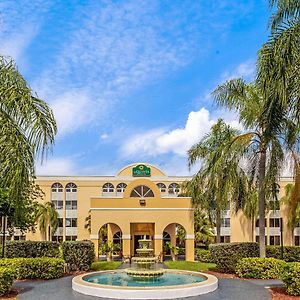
[131, 80]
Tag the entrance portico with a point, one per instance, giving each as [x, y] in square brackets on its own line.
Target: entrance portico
[143, 210]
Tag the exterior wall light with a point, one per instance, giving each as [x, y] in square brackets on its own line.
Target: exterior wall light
[142, 202]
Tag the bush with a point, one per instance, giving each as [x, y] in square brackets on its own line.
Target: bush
[6, 280]
[291, 278]
[15, 249]
[226, 256]
[290, 253]
[204, 255]
[35, 268]
[78, 255]
[260, 268]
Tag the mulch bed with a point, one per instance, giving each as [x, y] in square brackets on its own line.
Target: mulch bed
[279, 294]
[11, 295]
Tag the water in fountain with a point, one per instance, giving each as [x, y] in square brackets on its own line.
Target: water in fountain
[145, 264]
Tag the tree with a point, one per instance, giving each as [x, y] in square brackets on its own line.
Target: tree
[47, 218]
[294, 215]
[263, 150]
[204, 234]
[27, 131]
[220, 180]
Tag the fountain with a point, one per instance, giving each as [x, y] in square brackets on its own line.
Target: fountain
[145, 264]
[144, 280]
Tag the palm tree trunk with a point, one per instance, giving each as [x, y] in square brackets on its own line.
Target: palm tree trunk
[218, 226]
[252, 229]
[261, 200]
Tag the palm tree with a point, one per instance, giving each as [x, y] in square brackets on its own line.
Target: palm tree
[294, 214]
[279, 79]
[203, 228]
[47, 217]
[27, 130]
[263, 149]
[220, 180]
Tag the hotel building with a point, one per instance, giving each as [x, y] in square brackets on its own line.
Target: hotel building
[142, 200]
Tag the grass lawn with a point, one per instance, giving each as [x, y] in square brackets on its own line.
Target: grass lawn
[189, 265]
[105, 265]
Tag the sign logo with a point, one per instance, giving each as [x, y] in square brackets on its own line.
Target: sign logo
[141, 171]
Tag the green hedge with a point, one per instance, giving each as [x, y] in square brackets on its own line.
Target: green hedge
[204, 255]
[15, 249]
[78, 255]
[6, 280]
[35, 268]
[290, 253]
[226, 256]
[260, 268]
[291, 278]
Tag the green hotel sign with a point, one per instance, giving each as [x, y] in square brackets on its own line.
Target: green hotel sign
[141, 171]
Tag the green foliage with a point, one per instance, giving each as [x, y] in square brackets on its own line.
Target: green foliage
[14, 249]
[259, 268]
[105, 265]
[226, 256]
[291, 278]
[204, 255]
[6, 279]
[78, 255]
[290, 253]
[203, 228]
[35, 268]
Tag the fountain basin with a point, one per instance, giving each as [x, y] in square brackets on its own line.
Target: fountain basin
[118, 285]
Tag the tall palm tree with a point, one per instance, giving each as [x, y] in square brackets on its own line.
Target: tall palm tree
[263, 149]
[220, 180]
[27, 130]
[47, 218]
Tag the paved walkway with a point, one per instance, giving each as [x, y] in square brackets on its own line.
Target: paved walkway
[229, 289]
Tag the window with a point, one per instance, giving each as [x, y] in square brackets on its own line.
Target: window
[20, 238]
[274, 222]
[71, 187]
[121, 187]
[71, 222]
[162, 187]
[225, 239]
[71, 237]
[142, 191]
[274, 240]
[108, 188]
[257, 223]
[225, 222]
[71, 204]
[173, 188]
[57, 238]
[57, 188]
[60, 222]
[297, 240]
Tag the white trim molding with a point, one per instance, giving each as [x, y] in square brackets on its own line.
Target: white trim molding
[158, 236]
[94, 236]
[146, 208]
[126, 237]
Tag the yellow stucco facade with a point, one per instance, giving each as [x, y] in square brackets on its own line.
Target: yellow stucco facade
[141, 200]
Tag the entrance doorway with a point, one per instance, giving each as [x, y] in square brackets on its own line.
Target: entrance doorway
[138, 231]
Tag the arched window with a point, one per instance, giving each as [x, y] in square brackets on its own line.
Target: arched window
[108, 188]
[142, 191]
[121, 187]
[71, 187]
[71, 196]
[57, 195]
[162, 187]
[57, 187]
[173, 188]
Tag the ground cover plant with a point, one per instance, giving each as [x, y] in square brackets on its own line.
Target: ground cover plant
[204, 255]
[6, 280]
[105, 265]
[189, 265]
[291, 278]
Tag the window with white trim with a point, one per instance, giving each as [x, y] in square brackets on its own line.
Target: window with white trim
[108, 188]
[121, 187]
[173, 188]
[142, 191]
[162, 187]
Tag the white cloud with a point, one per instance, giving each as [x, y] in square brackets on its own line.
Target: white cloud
[104, 136]
[56, 166]
[245, 70]
[177, 141]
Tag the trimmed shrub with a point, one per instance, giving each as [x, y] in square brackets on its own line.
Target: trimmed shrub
[204, 255]
[291, 278]
[78, 255]
[6, 280]
[35, 268]
[260, 268]
[15, 249]
[226, 256]
[290, 253]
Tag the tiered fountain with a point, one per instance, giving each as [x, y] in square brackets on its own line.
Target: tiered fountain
[145, 264]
